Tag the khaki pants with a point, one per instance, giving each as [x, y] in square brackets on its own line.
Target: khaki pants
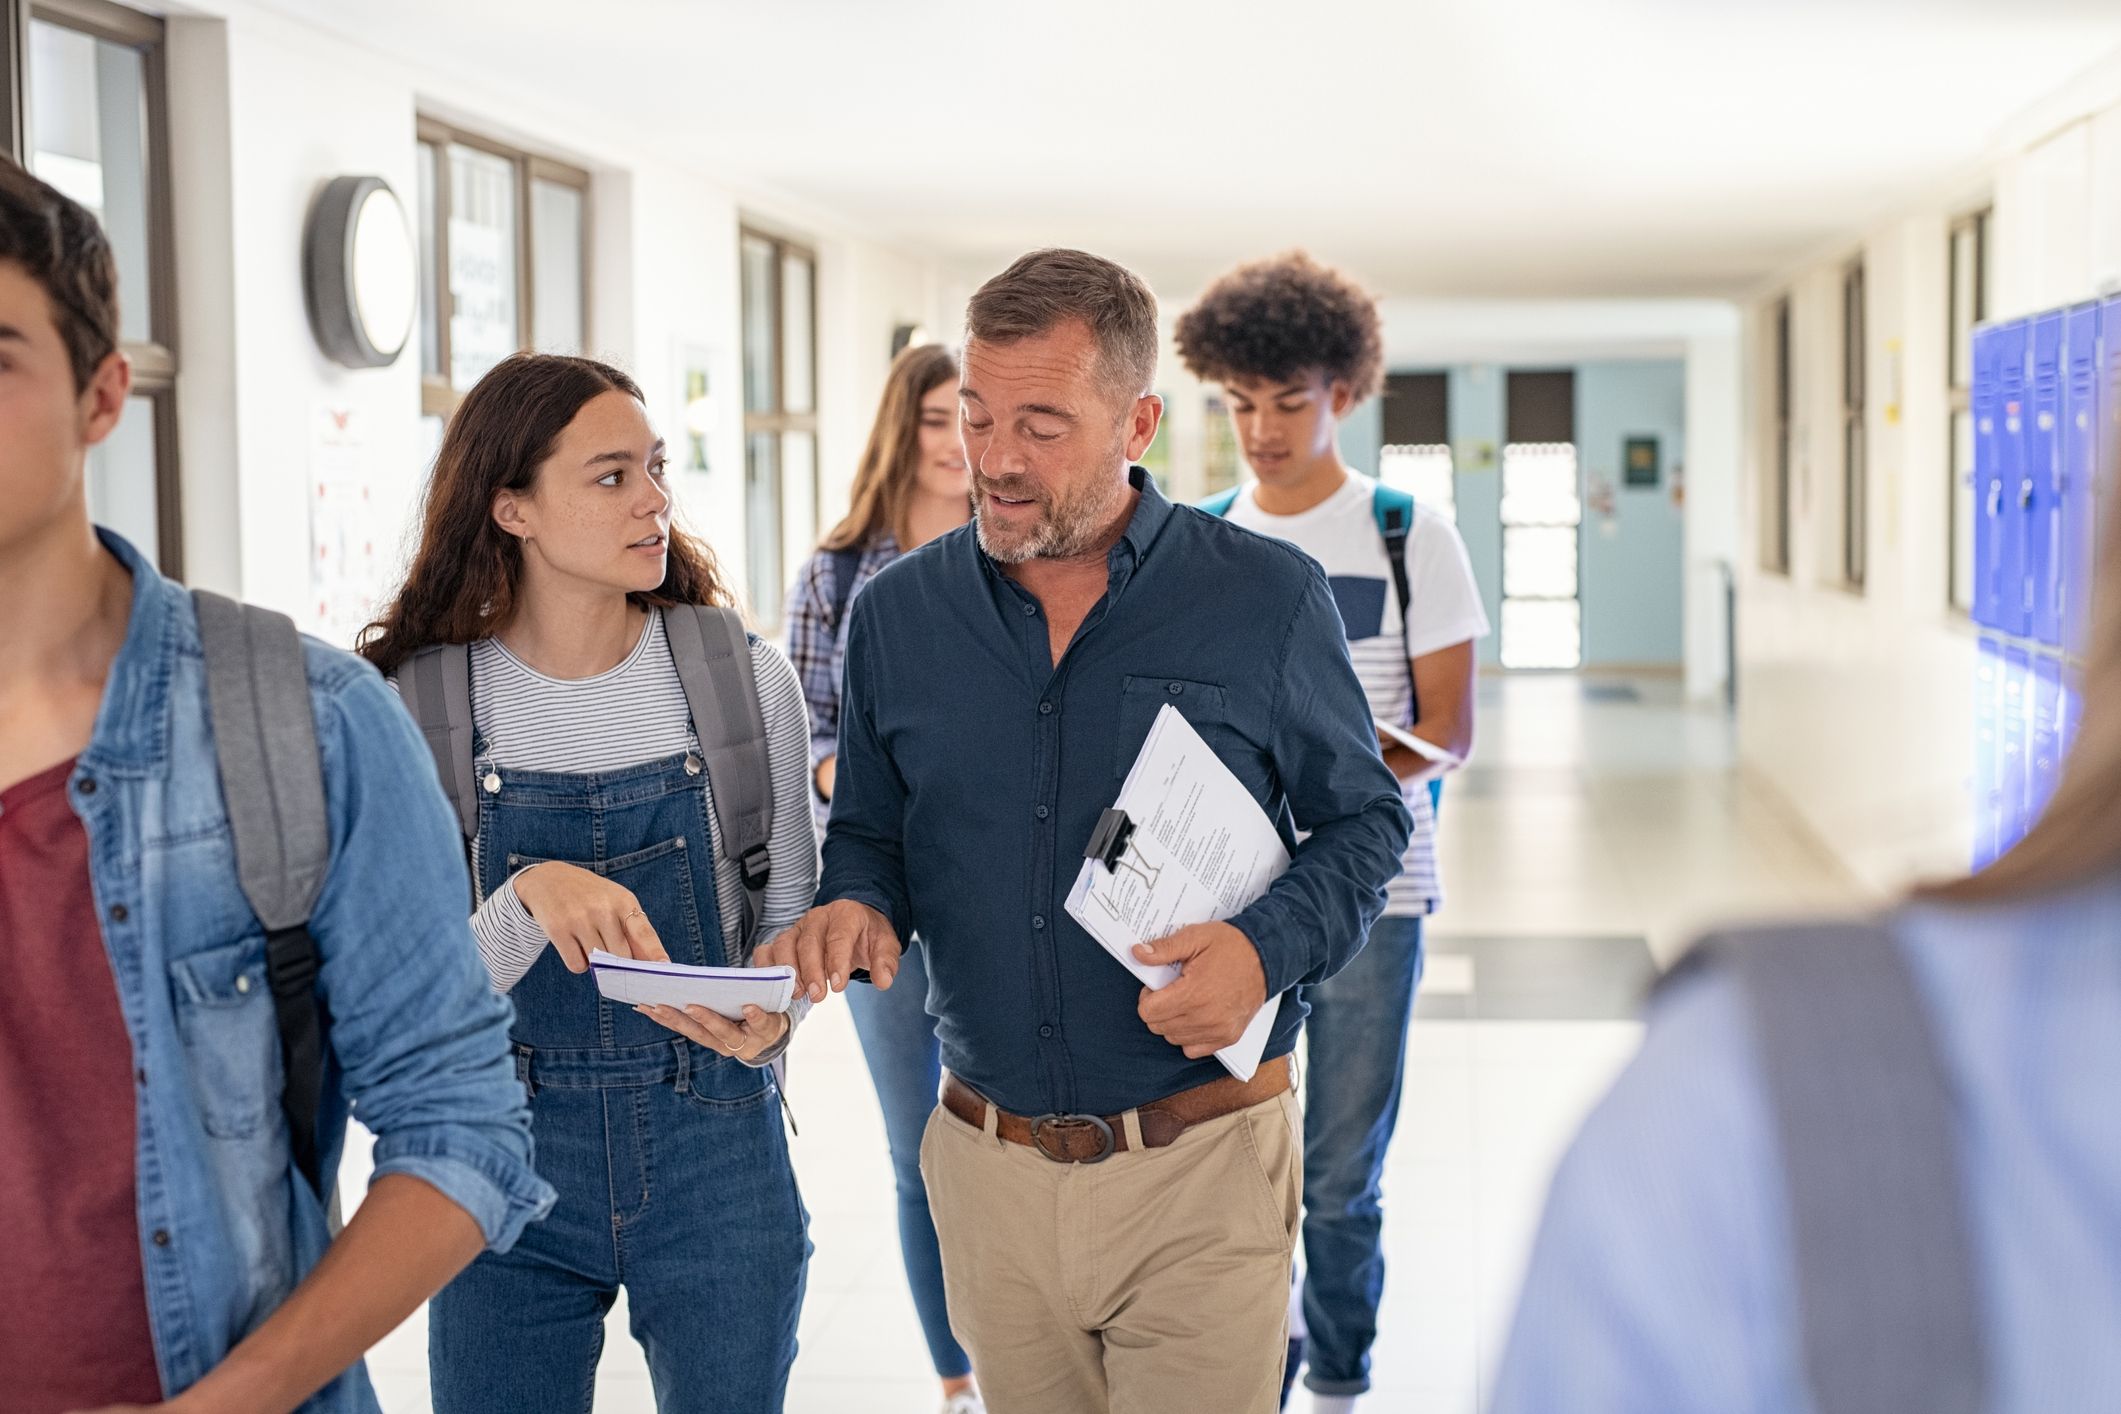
[1156, 1282]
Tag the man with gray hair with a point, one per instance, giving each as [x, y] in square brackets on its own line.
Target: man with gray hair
[1116, 1213]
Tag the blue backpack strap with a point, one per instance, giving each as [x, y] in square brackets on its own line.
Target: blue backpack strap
[1219, 504]
[1394, 512]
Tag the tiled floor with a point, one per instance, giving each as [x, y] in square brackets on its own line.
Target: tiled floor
[1589, 826]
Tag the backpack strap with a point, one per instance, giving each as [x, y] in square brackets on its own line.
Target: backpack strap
[1393, 510]
[435, 684]
[272, 782]
[1887, 1293]
[713, 657]
[1219, 504]
[846, 564]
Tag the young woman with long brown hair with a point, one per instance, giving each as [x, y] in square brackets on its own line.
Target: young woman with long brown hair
[1930, 1218]
[548, 547]
[910, 488]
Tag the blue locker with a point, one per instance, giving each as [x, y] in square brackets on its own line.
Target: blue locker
[2013, 747]
[1988, 473]
[2011, 488]
[1999, 460]
[2080, 464]
[1987, 790]
[2040, 493]
[2046, 740]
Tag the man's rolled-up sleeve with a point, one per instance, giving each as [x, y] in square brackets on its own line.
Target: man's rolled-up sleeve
[1315, 917]
[865, 839]
[420, 1036]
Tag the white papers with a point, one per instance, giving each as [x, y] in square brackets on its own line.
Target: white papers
[725, 990]
[1202, 850]
[1439, 759]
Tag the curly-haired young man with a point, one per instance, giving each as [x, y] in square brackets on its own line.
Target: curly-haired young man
[1296, 347]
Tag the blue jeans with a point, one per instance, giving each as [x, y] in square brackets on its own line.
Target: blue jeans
[1357, 1034]
[906, 1064]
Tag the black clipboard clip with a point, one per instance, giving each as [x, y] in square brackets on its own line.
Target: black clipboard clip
[1109, 840]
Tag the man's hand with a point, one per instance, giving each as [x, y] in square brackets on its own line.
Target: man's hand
[581, 912]
[827, 944]
[1220, 988]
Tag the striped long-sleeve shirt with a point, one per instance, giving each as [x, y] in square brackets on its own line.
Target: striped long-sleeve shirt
[633, 713]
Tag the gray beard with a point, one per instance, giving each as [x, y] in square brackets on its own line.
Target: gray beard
[1065, 533]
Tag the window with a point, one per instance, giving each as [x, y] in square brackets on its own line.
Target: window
[1855, 466]
[780, 413]
[1423, 472]
[1775, 499]
[1416, 456]
[1219, 460]
[1970, 304]
[504, 259]
[1542, 508]
[86, 110]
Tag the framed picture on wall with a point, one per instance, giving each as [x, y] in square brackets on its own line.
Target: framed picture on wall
[1639, 461]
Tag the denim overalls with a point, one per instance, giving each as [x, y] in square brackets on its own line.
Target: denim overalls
[671, 1165]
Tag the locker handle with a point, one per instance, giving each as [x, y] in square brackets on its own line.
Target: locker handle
[1995, 499]
[2025, 493]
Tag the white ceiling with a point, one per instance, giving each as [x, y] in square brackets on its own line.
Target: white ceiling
[1543, 148]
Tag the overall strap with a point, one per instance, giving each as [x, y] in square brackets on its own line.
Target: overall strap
[1888, 1296]
[272, 781]
[435, 684]
[846, 565]
[713, 657]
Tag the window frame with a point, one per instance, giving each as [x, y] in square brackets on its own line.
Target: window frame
[1855, 432]
[1979, 224]
[1775, 546]
[778, 421]
[438, 395]
[154, 360]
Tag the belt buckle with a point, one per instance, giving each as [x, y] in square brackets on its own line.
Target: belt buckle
[1039, 1124]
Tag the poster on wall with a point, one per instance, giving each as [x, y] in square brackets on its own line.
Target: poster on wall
[344, 574]
[697, 406]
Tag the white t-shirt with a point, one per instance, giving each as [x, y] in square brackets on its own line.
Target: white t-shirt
[1443, 609]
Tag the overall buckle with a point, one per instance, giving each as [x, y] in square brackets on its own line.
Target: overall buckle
[1071, 1124]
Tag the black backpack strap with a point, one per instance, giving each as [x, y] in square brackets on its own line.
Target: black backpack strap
[1888, 1296]
[272, 781]
[1394, 513]
[435, 684]
[712, 653]
[846, 565]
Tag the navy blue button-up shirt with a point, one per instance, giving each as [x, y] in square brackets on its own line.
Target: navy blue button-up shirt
[972, 772]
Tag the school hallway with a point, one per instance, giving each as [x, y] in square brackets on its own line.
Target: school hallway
[1603, 822]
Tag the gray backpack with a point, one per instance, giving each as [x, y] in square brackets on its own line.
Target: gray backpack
[272, 781]
[1888, 1295]
[713, 657]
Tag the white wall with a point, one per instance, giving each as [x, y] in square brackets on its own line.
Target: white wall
[1859, 706]
[264, 111]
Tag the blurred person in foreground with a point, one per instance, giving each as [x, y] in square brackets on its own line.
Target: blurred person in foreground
[1869, 1165]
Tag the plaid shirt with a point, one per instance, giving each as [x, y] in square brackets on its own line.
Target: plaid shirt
[817, 645]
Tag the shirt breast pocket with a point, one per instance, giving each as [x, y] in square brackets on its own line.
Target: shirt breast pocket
[231, 1041]
[1204, 705]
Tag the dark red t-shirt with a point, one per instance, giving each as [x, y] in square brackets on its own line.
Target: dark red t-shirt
[75, 1334]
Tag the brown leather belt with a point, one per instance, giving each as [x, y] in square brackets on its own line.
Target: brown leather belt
[1089, 1139]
